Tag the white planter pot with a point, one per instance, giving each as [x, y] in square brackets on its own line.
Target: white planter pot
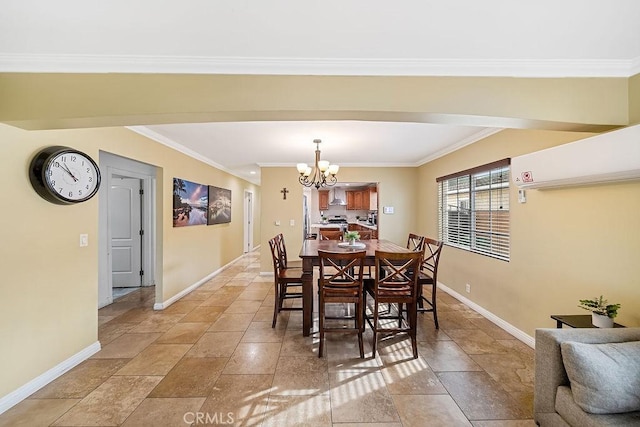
[601, 321]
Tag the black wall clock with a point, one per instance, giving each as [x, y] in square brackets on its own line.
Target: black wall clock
[63, 175]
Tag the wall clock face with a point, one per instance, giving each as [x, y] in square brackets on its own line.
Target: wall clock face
[63, 175]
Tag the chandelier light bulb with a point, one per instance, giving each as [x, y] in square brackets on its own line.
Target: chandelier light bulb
[301, 167]
[323, 165]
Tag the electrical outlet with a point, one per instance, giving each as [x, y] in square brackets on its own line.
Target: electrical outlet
[468, 288]
[292, 222]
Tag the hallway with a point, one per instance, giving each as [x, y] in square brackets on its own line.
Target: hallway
[212, 358]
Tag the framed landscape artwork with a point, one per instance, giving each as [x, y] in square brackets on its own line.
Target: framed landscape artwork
[219, 205]
[190, 202]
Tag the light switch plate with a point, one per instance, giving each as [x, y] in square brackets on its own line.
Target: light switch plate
[84, 240]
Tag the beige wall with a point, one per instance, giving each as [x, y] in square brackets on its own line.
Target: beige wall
[634, 99]
[541, 103]
[49, 287]
[566, 244]
[37, 335]
[397, 187]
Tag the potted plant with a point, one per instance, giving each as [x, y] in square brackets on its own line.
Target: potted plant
[602, 313]
[351, 237]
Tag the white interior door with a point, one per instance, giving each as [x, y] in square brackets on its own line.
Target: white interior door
[126, 245]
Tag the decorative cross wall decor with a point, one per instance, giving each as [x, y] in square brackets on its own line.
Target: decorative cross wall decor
[284, 192]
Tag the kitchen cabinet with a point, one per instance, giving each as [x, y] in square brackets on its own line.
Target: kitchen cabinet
[363, 200]
[373, 199]
[350, 202]
[323, 200]
[358, 200]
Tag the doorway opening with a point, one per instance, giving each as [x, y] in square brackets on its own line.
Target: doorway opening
[248, 221]
[127, 228]
[125, 219]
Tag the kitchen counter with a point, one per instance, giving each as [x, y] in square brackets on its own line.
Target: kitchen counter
[365, 224]
[330, 225]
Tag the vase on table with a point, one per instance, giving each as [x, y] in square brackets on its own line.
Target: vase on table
[352, 242]
[601, 320]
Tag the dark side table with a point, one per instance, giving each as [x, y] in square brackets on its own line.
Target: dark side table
[576, 321]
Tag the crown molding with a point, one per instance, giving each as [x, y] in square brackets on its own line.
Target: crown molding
[344, 165]
[635, 66]
[484, 133]
[148, 133]
[66, 63]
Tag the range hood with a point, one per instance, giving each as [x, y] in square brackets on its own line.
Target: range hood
[337, 201]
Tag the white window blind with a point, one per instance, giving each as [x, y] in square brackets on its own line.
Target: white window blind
[473, 209]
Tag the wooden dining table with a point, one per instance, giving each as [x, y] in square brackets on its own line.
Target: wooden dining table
[309, 255]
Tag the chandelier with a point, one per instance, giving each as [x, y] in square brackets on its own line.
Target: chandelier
[322, 175]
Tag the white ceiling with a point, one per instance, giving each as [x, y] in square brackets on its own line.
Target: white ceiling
[244, 147]
[539, 38]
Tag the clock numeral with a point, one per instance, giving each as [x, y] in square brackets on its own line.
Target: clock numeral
[87, 187]
[60, 190]
[73, 158]
[79, 192]
[88, 170]
[53, 182]
[90, 179]
[56, 164]
[70, 193]
[63, 159]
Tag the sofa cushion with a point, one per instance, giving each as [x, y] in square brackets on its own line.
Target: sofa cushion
[573, 415]
[604, 378]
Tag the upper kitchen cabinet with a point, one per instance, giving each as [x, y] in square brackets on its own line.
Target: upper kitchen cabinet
[323, 200]
[363, 200]
[373, 198]
[358, 200]
[351, 200]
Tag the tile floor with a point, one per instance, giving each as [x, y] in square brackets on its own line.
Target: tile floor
[212, 358]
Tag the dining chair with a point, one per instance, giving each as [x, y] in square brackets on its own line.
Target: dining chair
[329, 234]
[429, 276]
[365, 234]
[282, 251]
[398, 286]
[283, 279]
[415, 242]
[340, 282]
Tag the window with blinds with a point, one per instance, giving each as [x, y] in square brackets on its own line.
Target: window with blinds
[473, 209]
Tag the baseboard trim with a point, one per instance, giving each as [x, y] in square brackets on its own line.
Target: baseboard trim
[527, 339]
[40, 381]
[186, 291]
